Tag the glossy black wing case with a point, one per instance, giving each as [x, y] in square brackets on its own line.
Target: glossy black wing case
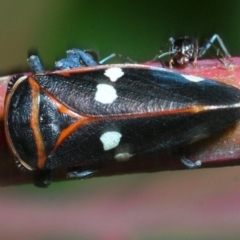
[108, 113]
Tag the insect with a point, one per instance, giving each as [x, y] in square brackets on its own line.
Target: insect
[77, 58]
[85, 117]
[186, 50]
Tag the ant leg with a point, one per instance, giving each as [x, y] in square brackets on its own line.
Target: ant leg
[194, 61]
[107, 58]
[196, 52]
[210, 43]
[157, 58]
[126, 58]
[160, 54]
[171, 62]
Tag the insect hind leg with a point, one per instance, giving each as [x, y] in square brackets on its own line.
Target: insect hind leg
[189, 164]
[80, 173]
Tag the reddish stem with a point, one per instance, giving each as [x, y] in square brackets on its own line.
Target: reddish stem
[216, 151]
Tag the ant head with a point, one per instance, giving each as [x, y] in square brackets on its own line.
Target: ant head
[183, 50]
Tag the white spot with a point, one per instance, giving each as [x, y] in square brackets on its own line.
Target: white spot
[110, 140]
[105, 93]
[193, 78]
[114, 73]
[123, 156]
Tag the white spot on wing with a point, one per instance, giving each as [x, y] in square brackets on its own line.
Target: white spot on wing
[123, 156]
[114, 73]
[110, 140]
[193, 78]
[105, 93]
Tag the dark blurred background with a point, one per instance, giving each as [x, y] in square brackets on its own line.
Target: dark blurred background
[202, 204]
[134, 28]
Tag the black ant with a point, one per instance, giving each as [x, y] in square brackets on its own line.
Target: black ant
[185, 50]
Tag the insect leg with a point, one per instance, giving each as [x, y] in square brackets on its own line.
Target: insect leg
[76, 58]
[35, 64]
[189, 164]
[79, 173]
[44, 178]
[196, 52]
[161, 54]
[210, 43]
[125, 58]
